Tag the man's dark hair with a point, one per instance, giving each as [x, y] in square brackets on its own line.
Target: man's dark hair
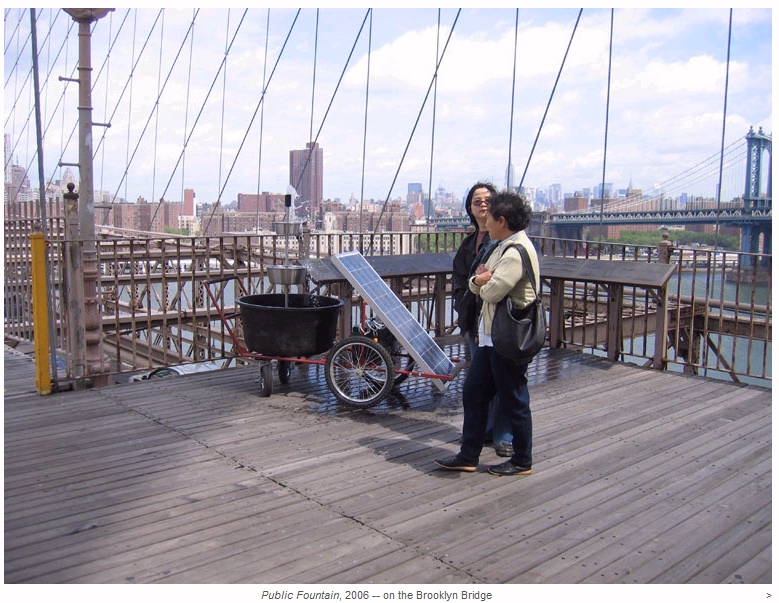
[513, 207]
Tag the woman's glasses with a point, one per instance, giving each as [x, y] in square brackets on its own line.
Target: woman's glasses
[481, 201]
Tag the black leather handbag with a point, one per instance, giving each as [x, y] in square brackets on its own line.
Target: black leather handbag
[519, 334]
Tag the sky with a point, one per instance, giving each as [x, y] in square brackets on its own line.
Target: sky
[379, 133]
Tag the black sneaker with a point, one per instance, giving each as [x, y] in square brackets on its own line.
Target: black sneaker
[504, 449]
[457, 463]
[509, 468]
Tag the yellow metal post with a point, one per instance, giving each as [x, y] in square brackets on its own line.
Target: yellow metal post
[40, 314]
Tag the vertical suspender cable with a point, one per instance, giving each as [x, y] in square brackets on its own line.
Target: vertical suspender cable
[432, 137]
[224, 91]
[130, 108]
[551, 96]
[262, 119]
[38, 126]
[256, 110]
[606, 128]
[365, 123]
[205, 100]
[105, 102]
[47, 330]
[513, 87]
[416, 123]
[332, 98]
[186, 107]
[313, 83]
[722, 144]
[157, 112]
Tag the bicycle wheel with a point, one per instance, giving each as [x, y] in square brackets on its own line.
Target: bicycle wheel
[359, 372]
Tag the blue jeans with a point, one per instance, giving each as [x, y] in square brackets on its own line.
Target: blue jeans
[497, 422]
[488, 375]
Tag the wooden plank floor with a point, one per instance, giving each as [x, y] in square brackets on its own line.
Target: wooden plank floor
[639, 477]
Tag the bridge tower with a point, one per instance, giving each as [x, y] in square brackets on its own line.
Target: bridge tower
[758, 151]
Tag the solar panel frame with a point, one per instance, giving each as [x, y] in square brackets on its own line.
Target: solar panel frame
[396, 317]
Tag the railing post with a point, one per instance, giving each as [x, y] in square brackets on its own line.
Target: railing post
[74, 290]
[556, 312]
[614, 314]
[664, 250]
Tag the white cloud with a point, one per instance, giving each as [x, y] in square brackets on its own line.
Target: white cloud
[668, 74]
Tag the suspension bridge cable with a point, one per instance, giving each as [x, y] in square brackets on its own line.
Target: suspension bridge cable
[48, 72]
[129, 81]
[424, 102]
[203, 105]
[46, 129]
[735, 155]
[12, 112]
[39, 133]
[13, 68]
[148, 120]
[224, 100]
[432, 135]
[15, 31]
[365, 120]
[156, 110]
[513, 86]
[262, 122]
[190, 32]
[62, 96]
[724, 117]
[606, 126]
[105, 62]
[105, 102]
[186, 106]
[254, 115]
[30, 113]
[551, 96]
[313, 83]
[332, 98]
[733, 147]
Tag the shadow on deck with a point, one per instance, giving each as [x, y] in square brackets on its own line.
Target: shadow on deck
[640, 477]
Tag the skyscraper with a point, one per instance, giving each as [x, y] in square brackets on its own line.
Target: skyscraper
[305, 175]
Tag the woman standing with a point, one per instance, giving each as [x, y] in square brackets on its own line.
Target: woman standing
[472, 252]
[490, 373]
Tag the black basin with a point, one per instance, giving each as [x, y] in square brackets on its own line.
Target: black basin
[305, 327]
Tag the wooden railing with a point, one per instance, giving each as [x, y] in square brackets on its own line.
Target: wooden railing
[155, 311]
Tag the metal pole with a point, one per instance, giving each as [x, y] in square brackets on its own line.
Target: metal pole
[97, 365]
[43, 333]
[40, 294]
[73, 293]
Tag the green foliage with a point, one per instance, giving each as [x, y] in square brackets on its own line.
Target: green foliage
[178, 231]
[440, 241]
[680, 237]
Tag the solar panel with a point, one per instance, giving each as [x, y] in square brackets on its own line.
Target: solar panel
[394, 314]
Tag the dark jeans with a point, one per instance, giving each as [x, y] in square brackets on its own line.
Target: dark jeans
[497, 423]
[489, 374]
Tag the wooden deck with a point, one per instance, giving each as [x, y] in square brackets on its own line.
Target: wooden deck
[639, 477]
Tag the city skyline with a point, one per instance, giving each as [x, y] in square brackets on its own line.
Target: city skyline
[667, 91]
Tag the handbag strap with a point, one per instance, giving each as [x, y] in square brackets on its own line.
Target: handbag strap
[526, 262]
